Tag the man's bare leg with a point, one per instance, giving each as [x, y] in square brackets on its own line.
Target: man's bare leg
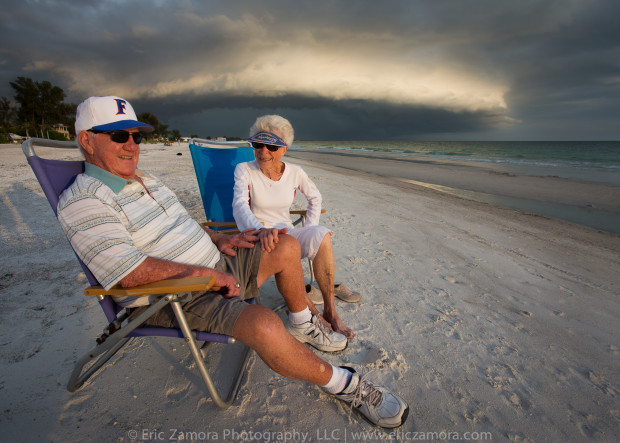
[285, 263]
[261, 329]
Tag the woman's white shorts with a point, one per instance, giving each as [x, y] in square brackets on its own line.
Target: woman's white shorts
[310, 238]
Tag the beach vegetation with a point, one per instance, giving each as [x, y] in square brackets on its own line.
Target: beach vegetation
[161, 130]
[8, 116]
[175, 134]
[41, 106]
[7, 111]
[38, 109]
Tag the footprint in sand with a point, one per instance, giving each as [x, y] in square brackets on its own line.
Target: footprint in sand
[601, 383]
[374, 357]
[178, 392]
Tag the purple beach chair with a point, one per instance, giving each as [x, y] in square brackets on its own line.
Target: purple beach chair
[55, 176]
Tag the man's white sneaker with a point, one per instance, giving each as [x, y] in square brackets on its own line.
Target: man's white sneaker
[315, 333]
[376, 403]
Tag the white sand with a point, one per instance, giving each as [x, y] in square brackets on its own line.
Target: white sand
[485, 320]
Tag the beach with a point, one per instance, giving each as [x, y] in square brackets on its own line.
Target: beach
[584, 195]
[492, 323]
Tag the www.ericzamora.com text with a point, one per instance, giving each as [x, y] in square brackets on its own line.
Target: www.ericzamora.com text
[322, 435]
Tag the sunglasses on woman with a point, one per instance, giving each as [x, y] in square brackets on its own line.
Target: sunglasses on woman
[271, 148]
[120, 136]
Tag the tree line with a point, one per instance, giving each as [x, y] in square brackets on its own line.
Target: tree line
[38, 108]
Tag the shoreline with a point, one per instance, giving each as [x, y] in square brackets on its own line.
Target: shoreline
[589, 203]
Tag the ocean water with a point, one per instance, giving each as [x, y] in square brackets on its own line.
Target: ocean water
[592, 161]
[577, 154]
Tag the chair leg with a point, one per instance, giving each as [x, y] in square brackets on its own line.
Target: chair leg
[104, 351]
[311, 271]
[77, 379]
[217, 399]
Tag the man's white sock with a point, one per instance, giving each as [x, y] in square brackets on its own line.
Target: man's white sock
[300, 317]
[340, 380]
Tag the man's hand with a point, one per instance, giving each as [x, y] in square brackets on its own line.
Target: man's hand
[269, 238]
[227, 243]
[226, 285]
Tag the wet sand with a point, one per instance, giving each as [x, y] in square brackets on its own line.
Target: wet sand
[592, 198]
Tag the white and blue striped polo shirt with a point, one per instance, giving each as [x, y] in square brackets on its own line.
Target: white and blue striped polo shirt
[114, 224]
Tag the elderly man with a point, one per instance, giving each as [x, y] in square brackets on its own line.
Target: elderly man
[130, 229]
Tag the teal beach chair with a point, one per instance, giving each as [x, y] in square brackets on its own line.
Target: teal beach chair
[214, 165]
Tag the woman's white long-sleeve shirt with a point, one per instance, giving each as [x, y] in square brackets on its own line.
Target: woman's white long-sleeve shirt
[258, 199]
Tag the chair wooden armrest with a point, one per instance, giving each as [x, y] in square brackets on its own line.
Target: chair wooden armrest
[303, 211]
[172, 286]
[232, 225]
[219, 224]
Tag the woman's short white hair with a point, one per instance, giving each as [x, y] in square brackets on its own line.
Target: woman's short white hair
[274, 123]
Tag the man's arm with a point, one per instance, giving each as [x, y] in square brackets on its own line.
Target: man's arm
[155, 269]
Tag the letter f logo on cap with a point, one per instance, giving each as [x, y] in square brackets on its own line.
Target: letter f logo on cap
[121, 104]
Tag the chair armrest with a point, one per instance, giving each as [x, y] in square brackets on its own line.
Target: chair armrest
[219, 224]
[302, 216]
[172, 286]
[231, 225]
[303, 211]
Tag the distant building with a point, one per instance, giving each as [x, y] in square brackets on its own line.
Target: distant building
[61, 129]
[15, 138]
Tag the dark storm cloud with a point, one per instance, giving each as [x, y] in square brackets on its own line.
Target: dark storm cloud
[348, 119]
[393, 69]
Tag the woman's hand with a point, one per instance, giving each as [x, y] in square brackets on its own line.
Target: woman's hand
[227, 243]
[269, 238]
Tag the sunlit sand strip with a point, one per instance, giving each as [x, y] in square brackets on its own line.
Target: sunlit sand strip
[589, 217]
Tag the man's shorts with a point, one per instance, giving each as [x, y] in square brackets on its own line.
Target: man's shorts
[211, 311]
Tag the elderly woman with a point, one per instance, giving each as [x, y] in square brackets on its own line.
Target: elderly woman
[264, 192]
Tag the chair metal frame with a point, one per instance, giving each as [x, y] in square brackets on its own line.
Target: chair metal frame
[56, 175]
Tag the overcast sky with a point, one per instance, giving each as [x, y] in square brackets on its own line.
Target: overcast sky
[423, 70]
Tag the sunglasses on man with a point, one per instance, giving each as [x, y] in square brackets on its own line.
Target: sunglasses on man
[120, 136]
[271, 148]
